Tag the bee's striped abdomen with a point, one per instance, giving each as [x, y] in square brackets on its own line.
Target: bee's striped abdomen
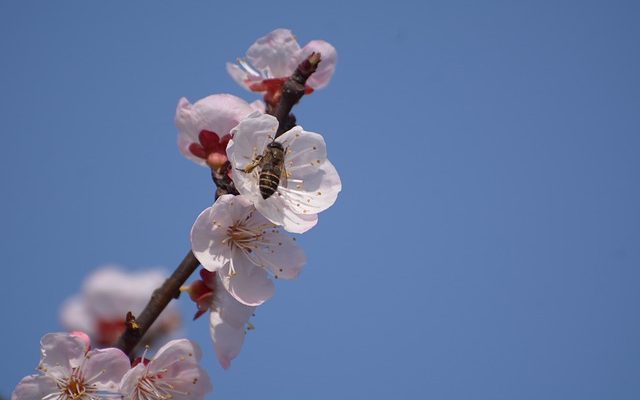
[268, 182]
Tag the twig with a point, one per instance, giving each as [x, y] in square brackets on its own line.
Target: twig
[292, 92]
[170, 289]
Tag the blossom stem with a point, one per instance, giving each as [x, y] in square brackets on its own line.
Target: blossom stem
[292, 92]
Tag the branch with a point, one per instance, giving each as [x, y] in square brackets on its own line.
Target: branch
[136, 327]
[292, 92]
[170, 289]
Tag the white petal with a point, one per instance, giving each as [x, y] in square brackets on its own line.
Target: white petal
[207, 235]
[238, 74]
[61, 352]
[130, 380]
[227, 339]
[230, 310]
[250, 138]
[305, 151]
[282, 213]
[327, 65]
[34, 387]
[108, 365]
[274, 52]
[183, 351]
[249, 285]
[314, 191]
[284, 258]
[189, 383]
[218, 113]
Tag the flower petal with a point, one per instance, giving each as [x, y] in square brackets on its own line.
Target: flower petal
[277, 210]
[61, 352]
[217, 113]
[227, 339]
[272, 53]
[230, 310]
[208, 234]
[108, 366]
[249, 284]
[316, 192]
[305, 151]
[284, 258]
[129, 382]
[327, 65]
[34, 387]
[182, 350]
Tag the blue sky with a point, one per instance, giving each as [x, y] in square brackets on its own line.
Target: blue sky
[485, 244]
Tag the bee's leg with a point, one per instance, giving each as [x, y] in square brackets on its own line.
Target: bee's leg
[252, 165]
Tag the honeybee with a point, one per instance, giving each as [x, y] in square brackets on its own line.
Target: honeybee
[272, 169]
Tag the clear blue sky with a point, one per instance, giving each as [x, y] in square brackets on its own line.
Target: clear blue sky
[486, 244]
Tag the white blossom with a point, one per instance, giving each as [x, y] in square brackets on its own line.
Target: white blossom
[173, 373]
[310, 184]
[236, 241]
[68, 371]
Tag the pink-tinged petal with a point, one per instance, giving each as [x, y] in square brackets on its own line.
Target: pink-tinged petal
[284, 258]
[327, 65]
[272, 53]
[250, 138]
[207, 235]
[230, 310]
[61, 352]
[108, 366]
[315, 192]
[84, 337]
[191, 383]
[239, 75]
[218, 113]
[227, 339]
[129, 382]
[277, 210]
[181, 351]
[305, 151]
[34, 387]
[248, 284]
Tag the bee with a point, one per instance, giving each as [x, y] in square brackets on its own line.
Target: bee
[272, 170]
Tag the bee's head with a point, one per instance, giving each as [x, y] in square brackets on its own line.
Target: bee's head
[275, 145]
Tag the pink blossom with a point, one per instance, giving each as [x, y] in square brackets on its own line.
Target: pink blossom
[274, 57]
[68, 371]
[173, 373]
[204, 127]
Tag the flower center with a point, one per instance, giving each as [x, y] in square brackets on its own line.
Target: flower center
[75, 387]
[245, 237]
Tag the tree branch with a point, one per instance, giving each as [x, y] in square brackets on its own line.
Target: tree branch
[136, 327]
[292, 92]
[170, 289]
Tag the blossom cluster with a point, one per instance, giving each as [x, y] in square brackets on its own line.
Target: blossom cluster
[276, 185]
[244, 240]
[70, 370]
